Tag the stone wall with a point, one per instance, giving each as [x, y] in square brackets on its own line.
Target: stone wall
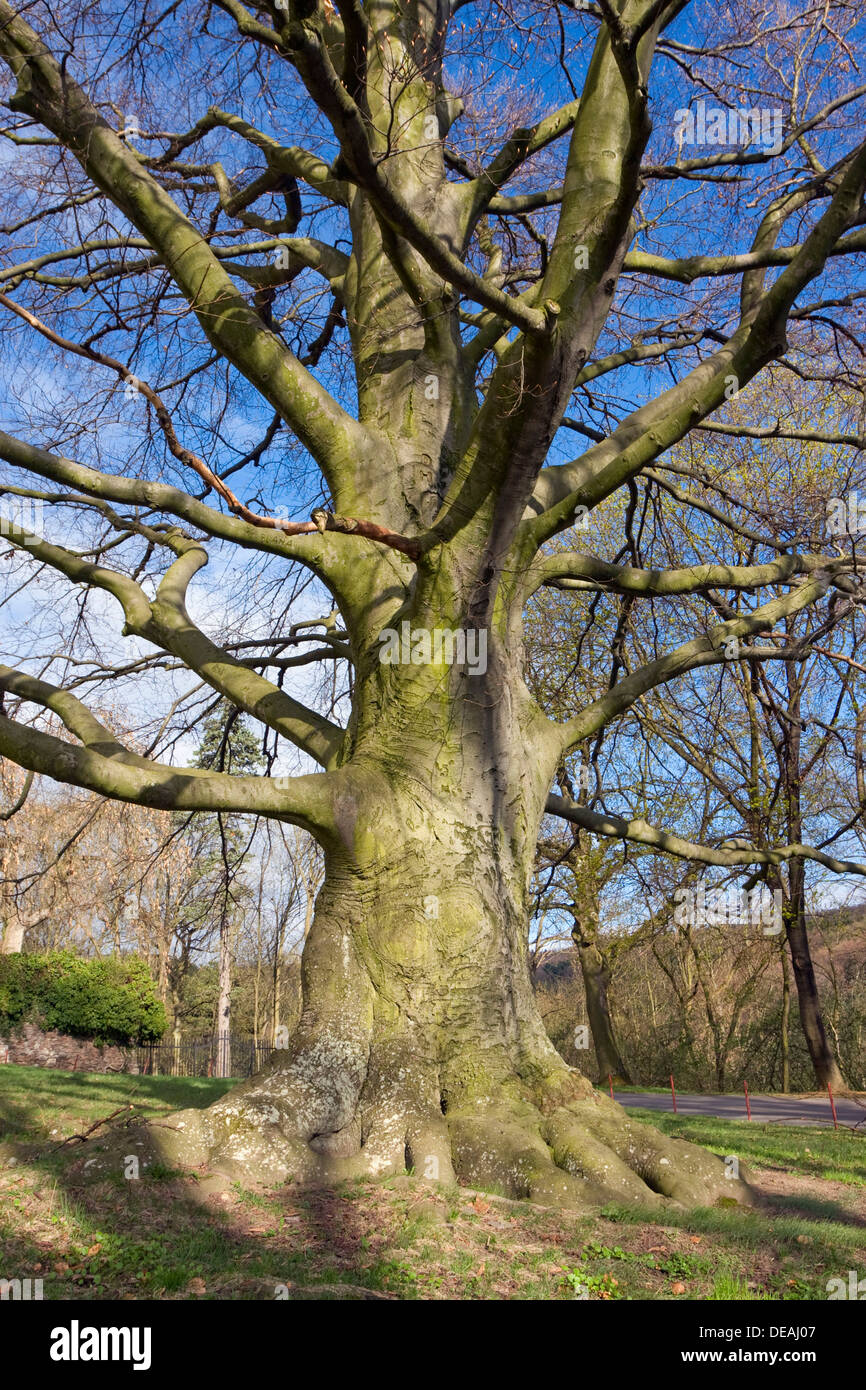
[30, 1047]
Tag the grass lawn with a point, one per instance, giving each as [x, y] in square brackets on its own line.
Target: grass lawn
[176, 1237]
[38, 1102]
[834, 1155]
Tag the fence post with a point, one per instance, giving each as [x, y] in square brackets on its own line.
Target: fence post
[832, 1105]
[673, 1093]
[748, 1106]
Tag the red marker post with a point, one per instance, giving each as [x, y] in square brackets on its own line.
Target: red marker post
[748, 1106]
[610, 1079]
[673, 1093]
[832, 1105]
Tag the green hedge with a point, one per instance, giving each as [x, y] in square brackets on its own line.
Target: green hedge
[110, 1000]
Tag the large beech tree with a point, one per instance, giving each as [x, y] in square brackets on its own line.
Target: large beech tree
[493, 225]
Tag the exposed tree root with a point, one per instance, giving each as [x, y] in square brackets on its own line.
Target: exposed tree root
[562, 1145]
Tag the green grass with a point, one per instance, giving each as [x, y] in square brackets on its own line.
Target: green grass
[832, 1155]
[640, 1090]
[168, 1236]
[40, 1103]
[799, 1253]
[727, 1288]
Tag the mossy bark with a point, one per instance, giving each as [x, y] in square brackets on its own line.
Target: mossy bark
[420, 1044]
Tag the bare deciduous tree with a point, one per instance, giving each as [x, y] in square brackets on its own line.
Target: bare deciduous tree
[459, 307]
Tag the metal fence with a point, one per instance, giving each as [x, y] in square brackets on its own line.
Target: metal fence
[224, 1054]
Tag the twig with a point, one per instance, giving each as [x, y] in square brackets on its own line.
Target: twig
[82, 1138]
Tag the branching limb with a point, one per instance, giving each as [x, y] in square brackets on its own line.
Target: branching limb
[110, 770]
[521, 145]
[702, 651]
[245, 527]
[48, 94]
[687, 269]
[300, 253]
[166, 623]
[639, 832]
[311, 57]
[700, 504]
[283, 159]
[20, 800]
[170, 627]
[571, 570]
[649, 431]
[777, 431]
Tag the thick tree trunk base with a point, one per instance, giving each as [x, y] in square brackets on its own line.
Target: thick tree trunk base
[557, 1142]
[420, 1045]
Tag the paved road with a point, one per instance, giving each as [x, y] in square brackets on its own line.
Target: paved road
[787, 1110]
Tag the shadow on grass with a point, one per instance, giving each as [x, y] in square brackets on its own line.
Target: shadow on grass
[157, 1237]
[831, 1155]
[163, 1236]
[814, 1209]
[33, 1101]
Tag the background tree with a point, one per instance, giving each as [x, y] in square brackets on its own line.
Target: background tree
[223, 843]
[773, 743]
[573, 877]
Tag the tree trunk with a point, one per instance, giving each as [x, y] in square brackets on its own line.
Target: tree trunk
[176, 1068]
[823, 1060]
[420, 1043]
[786, 1020]
[277, 986]
[596, 978]
[224, 1000]
[13, 936]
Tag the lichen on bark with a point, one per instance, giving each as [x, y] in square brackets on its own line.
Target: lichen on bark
[420, 1045]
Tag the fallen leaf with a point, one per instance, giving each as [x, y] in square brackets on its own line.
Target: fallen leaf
[95, 1249]
[197, 1286]
[480, 1206]
[696, 1240]
[678, 1288]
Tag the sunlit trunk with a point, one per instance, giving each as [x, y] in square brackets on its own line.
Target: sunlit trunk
[420, 1044]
